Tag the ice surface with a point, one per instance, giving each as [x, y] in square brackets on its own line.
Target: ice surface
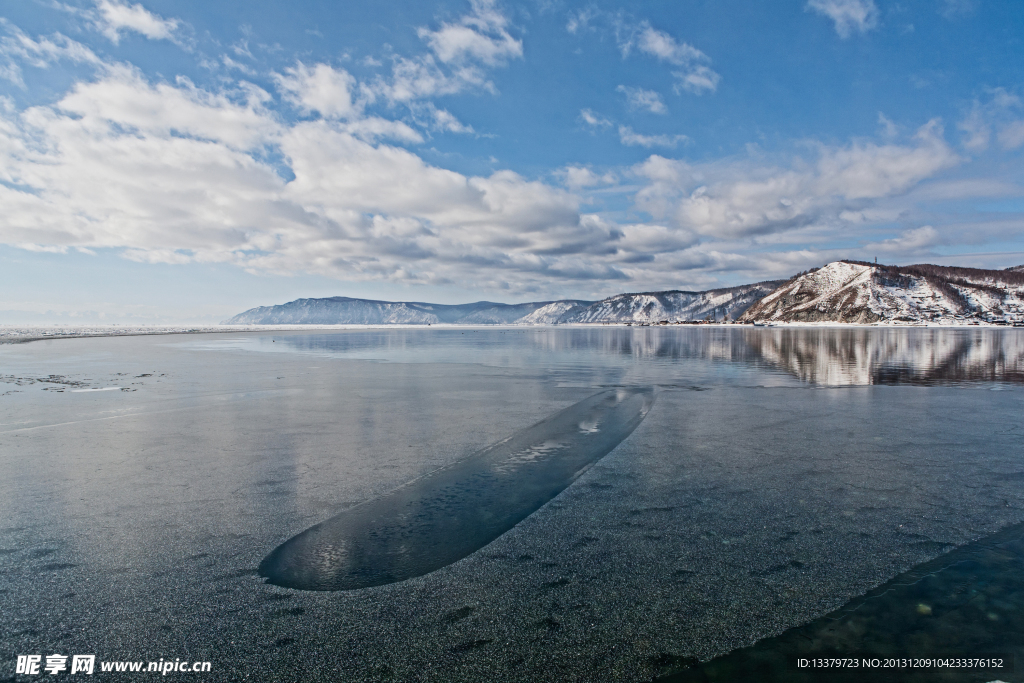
[778, 475]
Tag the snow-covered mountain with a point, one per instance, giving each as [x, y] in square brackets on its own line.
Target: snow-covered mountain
[342, 310]
[553, 313]
[651, 307]
[855, 292]
[674, 306]
[843, 291]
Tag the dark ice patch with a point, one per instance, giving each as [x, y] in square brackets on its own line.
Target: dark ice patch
[448, 514]
[471, 645]
[966, 603]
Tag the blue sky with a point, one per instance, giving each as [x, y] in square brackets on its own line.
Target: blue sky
[174, 161]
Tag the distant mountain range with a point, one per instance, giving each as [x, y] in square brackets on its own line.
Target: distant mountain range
[843, 291]
[857, 292]
[649, 307]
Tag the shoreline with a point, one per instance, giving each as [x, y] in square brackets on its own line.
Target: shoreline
[22, 334]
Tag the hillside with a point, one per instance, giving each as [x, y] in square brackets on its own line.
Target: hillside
[673, 306]
[649, 307]
[342, 310]
[855, 292]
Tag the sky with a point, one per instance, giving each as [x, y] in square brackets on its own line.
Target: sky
[178, 161]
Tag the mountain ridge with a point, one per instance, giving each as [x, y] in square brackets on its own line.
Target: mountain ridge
[845, 291]
[862, 292]
[641, 307]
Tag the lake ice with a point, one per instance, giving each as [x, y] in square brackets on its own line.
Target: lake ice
[778, 474]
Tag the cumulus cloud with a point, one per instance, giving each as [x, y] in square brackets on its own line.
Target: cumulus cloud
[114, 16]
[579, 177]
[172, 173]
[694, 75]
[628, 136]
[480, 36]
[460, 52]
[638, 98]
[849, 16]
[742, 200]
[321, 89]
[659, 44]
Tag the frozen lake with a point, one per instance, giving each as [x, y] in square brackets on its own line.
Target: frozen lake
[776, 474]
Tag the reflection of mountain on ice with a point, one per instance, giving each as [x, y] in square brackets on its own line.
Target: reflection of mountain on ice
[828, 356]
[891, 356]
[864, 293]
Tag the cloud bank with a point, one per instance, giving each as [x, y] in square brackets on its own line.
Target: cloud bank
[318, 172]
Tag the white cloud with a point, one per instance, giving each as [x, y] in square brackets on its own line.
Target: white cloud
[661, 45]
[998, 116]
[444, 120]
[480, 36]
[17, 48]
[628, 136]
[157, 256]
[694, 76]
[172, 173]
[849, 15]
[123, 98]
[594, 120]
[460, 51]
[741, 199]
[638, 98]
[115, 16]
[374, 128]
[579, 177]
[421, 78]
[915, 241]
[321, 89]
[697, 79]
